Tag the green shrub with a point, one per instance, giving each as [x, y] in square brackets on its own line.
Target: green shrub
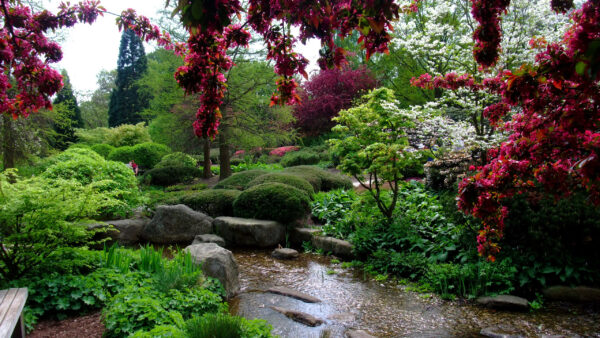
[122, 154]
[170, 175]
[217, 202]
[301, 157]
[331, 208]
[103, 149]
[186, 187]
[240, 180]
[325, 180]
[289, 179]
[142, 308]
[275, 201]
[123, 135]
[148, 154]
[177, 159]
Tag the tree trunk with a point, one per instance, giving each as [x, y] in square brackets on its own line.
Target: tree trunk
[8, 142]
[206, 173]
[224, 157]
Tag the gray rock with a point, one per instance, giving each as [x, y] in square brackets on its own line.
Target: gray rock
[501, 331]
[336, 246]
[342, 317]
[284, 253]
[582, 294]
[282, 290]
[218, 263]
[124, 231]
[504, 302]
[176, 224]
[358, 334]
[249, 232]
[299, 317]
[209, 238]
[301, 235]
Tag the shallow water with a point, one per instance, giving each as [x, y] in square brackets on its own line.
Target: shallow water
[350, 299]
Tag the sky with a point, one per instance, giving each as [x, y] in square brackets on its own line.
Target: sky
[88, 49]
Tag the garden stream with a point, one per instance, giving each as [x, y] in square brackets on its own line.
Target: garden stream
[352, 300]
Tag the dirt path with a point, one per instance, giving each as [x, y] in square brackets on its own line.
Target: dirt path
[89, 326]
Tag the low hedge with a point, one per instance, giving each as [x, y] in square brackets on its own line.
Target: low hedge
[326, 180]
[218, 202]
[300, 158]
[289, 179]
[273, 201]
[239, 180]
[170, 175]
[122, 154]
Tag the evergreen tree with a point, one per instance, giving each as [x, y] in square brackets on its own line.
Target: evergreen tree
[126, 100]
[67, 115]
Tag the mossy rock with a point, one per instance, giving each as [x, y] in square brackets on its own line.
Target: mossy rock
[272, 201]
[240, 180]
[295, 181]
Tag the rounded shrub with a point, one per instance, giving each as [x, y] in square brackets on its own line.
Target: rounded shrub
[273, 201]
[215, 203]
[300, 158]
[170, 175]
[122, 154]
[328, 180]
[102, 149]
[289, 179]
[148, 154]
[177, 159]
[239, 180]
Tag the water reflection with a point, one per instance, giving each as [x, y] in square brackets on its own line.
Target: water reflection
[352, 300]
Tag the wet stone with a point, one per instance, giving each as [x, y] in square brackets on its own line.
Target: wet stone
[501, 331]
[284, 253]
[209, 238]
[281, 290]
[300, 317]
[504, 302]
[342, 317]
[358, 334]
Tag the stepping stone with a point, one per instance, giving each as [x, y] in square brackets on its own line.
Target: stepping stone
[249, 232]
[284, 253]
[500, 331]
[281, 290]
[336, 246]
[504, 302]
[300, 317]
[358, 334]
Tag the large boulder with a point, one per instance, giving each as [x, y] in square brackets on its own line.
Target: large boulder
[123, 231]
[583, 294]
[336, 246]
[249, 232]
[301, 235]
[176, 224]
[218, 263]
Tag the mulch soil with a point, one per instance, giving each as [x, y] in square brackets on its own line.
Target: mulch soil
[88, 326]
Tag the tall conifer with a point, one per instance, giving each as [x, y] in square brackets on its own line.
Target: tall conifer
[126, 101]
[67, 115]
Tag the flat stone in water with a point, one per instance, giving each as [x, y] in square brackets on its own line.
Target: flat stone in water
[299, 317]
[504, 302]
[358, 334]
[281, 290]
[249, 232]
[285, 253]
[500, 331]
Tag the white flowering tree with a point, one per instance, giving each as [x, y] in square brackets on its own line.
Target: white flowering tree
[438, 40]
